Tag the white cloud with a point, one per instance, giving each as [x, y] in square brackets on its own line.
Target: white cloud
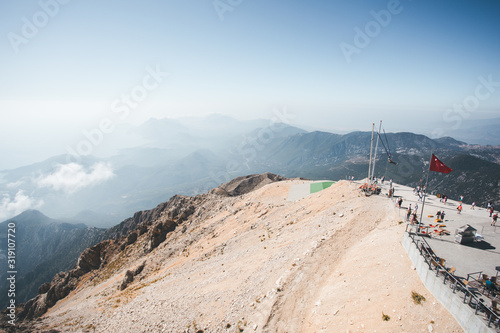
[15, 184]
[73, 177]
[13, 206]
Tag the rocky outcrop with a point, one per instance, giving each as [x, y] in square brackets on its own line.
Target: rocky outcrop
[64, 282]
[155, 223]
[130, 274]
[90, 259]
[178, 208]
[246, 184]
[129, 277]
[158, 233]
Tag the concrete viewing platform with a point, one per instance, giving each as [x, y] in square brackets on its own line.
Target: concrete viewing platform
[474, 310]
[482, 256]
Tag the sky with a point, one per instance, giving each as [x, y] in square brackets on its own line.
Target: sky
[68, 67]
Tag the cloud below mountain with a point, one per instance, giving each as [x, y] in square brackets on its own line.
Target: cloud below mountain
[14, 206]
[73, 177]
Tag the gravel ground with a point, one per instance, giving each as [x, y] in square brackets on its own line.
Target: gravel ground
[329, 262]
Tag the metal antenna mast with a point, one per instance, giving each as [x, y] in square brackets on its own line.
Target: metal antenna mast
[376, 147]
[371, 149]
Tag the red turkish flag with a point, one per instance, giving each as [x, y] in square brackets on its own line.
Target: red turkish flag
[438, 166]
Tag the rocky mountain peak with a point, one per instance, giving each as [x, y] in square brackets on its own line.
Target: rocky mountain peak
[246, 184]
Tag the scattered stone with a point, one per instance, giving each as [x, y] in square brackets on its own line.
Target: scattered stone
[129, 277]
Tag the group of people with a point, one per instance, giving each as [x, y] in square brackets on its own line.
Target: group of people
[440, 215]
[459, 208]
[411, 214]
[491, 210]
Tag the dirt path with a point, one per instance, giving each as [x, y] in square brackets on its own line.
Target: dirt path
[302, 290]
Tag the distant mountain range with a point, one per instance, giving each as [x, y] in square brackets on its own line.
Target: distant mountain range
[481, 131]
[320, 155]
[178, 156]
[192, 155]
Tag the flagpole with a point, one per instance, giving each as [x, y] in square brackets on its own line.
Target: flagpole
[376, 148]
[425, 192]
[371, 150]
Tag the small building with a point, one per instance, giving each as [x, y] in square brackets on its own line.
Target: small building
[465, 234]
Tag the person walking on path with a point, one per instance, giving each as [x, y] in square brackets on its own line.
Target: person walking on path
[408, 213]
[495, 218]
[473, 205]
[442, 215]
[461, 199]
[459, 209]
[491, 210]
[445, 199]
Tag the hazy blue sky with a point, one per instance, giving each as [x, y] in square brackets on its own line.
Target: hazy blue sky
[340, 65]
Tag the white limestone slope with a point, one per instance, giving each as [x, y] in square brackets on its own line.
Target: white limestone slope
[329, 262]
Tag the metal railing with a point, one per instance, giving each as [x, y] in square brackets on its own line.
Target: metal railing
[455, 282]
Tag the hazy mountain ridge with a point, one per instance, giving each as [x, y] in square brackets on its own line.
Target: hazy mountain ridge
[478, 132]
[171, 163]
[172, 160]
[321, 155]
[44, 247]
